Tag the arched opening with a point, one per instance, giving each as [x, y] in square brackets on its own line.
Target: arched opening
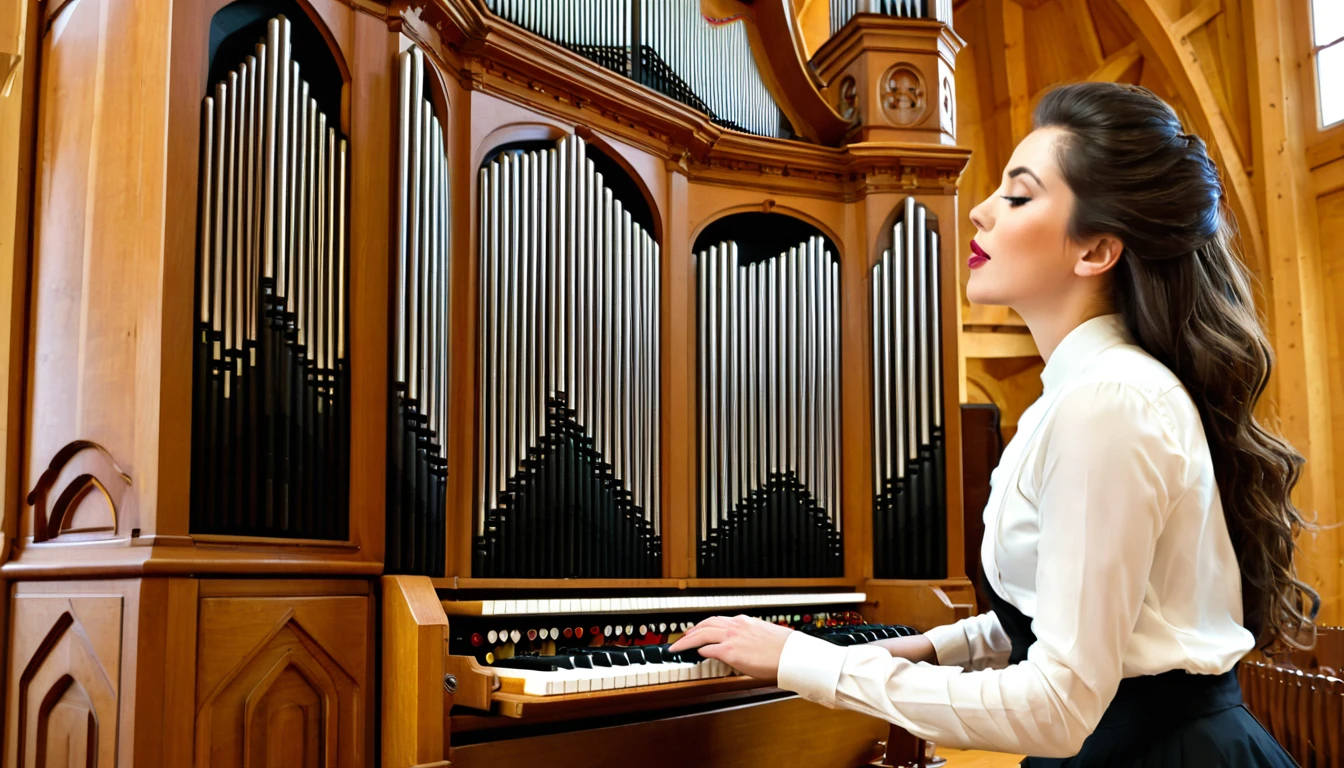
[769, 384]
[760, 235]
[614, 175]
[237, 28]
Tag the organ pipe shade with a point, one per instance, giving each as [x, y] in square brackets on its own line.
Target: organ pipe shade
[769, 413]
[270, 430]
[844, 10]
[909, 465]
[667, 45]
[418, 398]
[568, 482]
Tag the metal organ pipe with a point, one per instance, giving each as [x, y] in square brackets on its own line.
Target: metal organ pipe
[270, 426]
[909, 519]
[418, 418]
[569, 373]
[769, 368]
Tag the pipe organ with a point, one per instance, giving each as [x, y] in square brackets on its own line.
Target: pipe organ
[909, 465]
[270, 404]
[416, 376]
[769, 412]
[568, 438]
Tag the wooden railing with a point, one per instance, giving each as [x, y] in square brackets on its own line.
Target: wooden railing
[1299, 698]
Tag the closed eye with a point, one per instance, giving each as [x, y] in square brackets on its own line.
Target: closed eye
[1016, 201]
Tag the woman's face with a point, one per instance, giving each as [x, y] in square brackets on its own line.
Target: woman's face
[1022, 255]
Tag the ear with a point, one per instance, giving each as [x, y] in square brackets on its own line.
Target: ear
[1102, 254]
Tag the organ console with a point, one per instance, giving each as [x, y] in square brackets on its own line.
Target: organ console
[452, 359]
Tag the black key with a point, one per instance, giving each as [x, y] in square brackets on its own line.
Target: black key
[541, 663]
[689, 656]
[600, 657]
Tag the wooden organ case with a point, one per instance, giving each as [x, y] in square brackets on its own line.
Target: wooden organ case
[379, 352]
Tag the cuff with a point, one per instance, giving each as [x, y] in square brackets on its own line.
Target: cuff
[950, 645]
[811, 668]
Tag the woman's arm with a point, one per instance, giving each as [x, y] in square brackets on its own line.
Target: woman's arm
[976, 643]
[1109, 471]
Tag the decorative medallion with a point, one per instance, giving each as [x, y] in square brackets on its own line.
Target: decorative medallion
[903, 95]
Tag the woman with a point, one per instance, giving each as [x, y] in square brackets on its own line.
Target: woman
[1139, 538]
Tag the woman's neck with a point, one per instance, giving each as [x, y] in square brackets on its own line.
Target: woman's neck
[1049, 326]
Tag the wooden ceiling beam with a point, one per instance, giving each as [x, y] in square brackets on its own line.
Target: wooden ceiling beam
[1087, 30]
[1180, 64]
[1116, 65]
[1015, 70]
[1196, 19]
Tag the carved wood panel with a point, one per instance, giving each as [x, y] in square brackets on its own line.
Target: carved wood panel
[63, 681]
[281, 682]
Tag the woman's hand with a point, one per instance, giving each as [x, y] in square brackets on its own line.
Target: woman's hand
[747, 644]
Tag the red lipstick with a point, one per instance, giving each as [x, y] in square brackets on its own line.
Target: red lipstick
[978, 257]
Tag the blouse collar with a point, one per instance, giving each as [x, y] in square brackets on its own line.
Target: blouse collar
[1081, 345]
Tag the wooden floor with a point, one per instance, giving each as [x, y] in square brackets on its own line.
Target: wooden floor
[974, 758]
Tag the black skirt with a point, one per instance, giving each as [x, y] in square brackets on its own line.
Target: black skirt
[1176, 719]
[1172, 720]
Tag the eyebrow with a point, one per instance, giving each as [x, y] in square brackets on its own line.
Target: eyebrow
[1021, 169]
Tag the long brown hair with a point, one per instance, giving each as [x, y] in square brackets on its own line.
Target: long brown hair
[1186, 299]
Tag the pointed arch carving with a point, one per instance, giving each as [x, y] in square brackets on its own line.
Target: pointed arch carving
[65, 696]
[94, 475]
[291, 699]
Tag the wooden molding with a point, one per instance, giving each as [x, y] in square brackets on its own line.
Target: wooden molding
[124, 558]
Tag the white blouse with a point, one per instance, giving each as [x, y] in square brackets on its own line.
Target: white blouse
[1104, 525]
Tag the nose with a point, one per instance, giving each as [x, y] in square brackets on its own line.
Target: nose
[980, 216]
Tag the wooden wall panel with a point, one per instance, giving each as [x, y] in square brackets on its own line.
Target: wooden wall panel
[98, 215]
[64, 681]
[741, 737]
[283, 682]
[1327, 570]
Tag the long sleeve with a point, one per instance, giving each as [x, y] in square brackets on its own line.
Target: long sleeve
[976, 643]
[1107, 471]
